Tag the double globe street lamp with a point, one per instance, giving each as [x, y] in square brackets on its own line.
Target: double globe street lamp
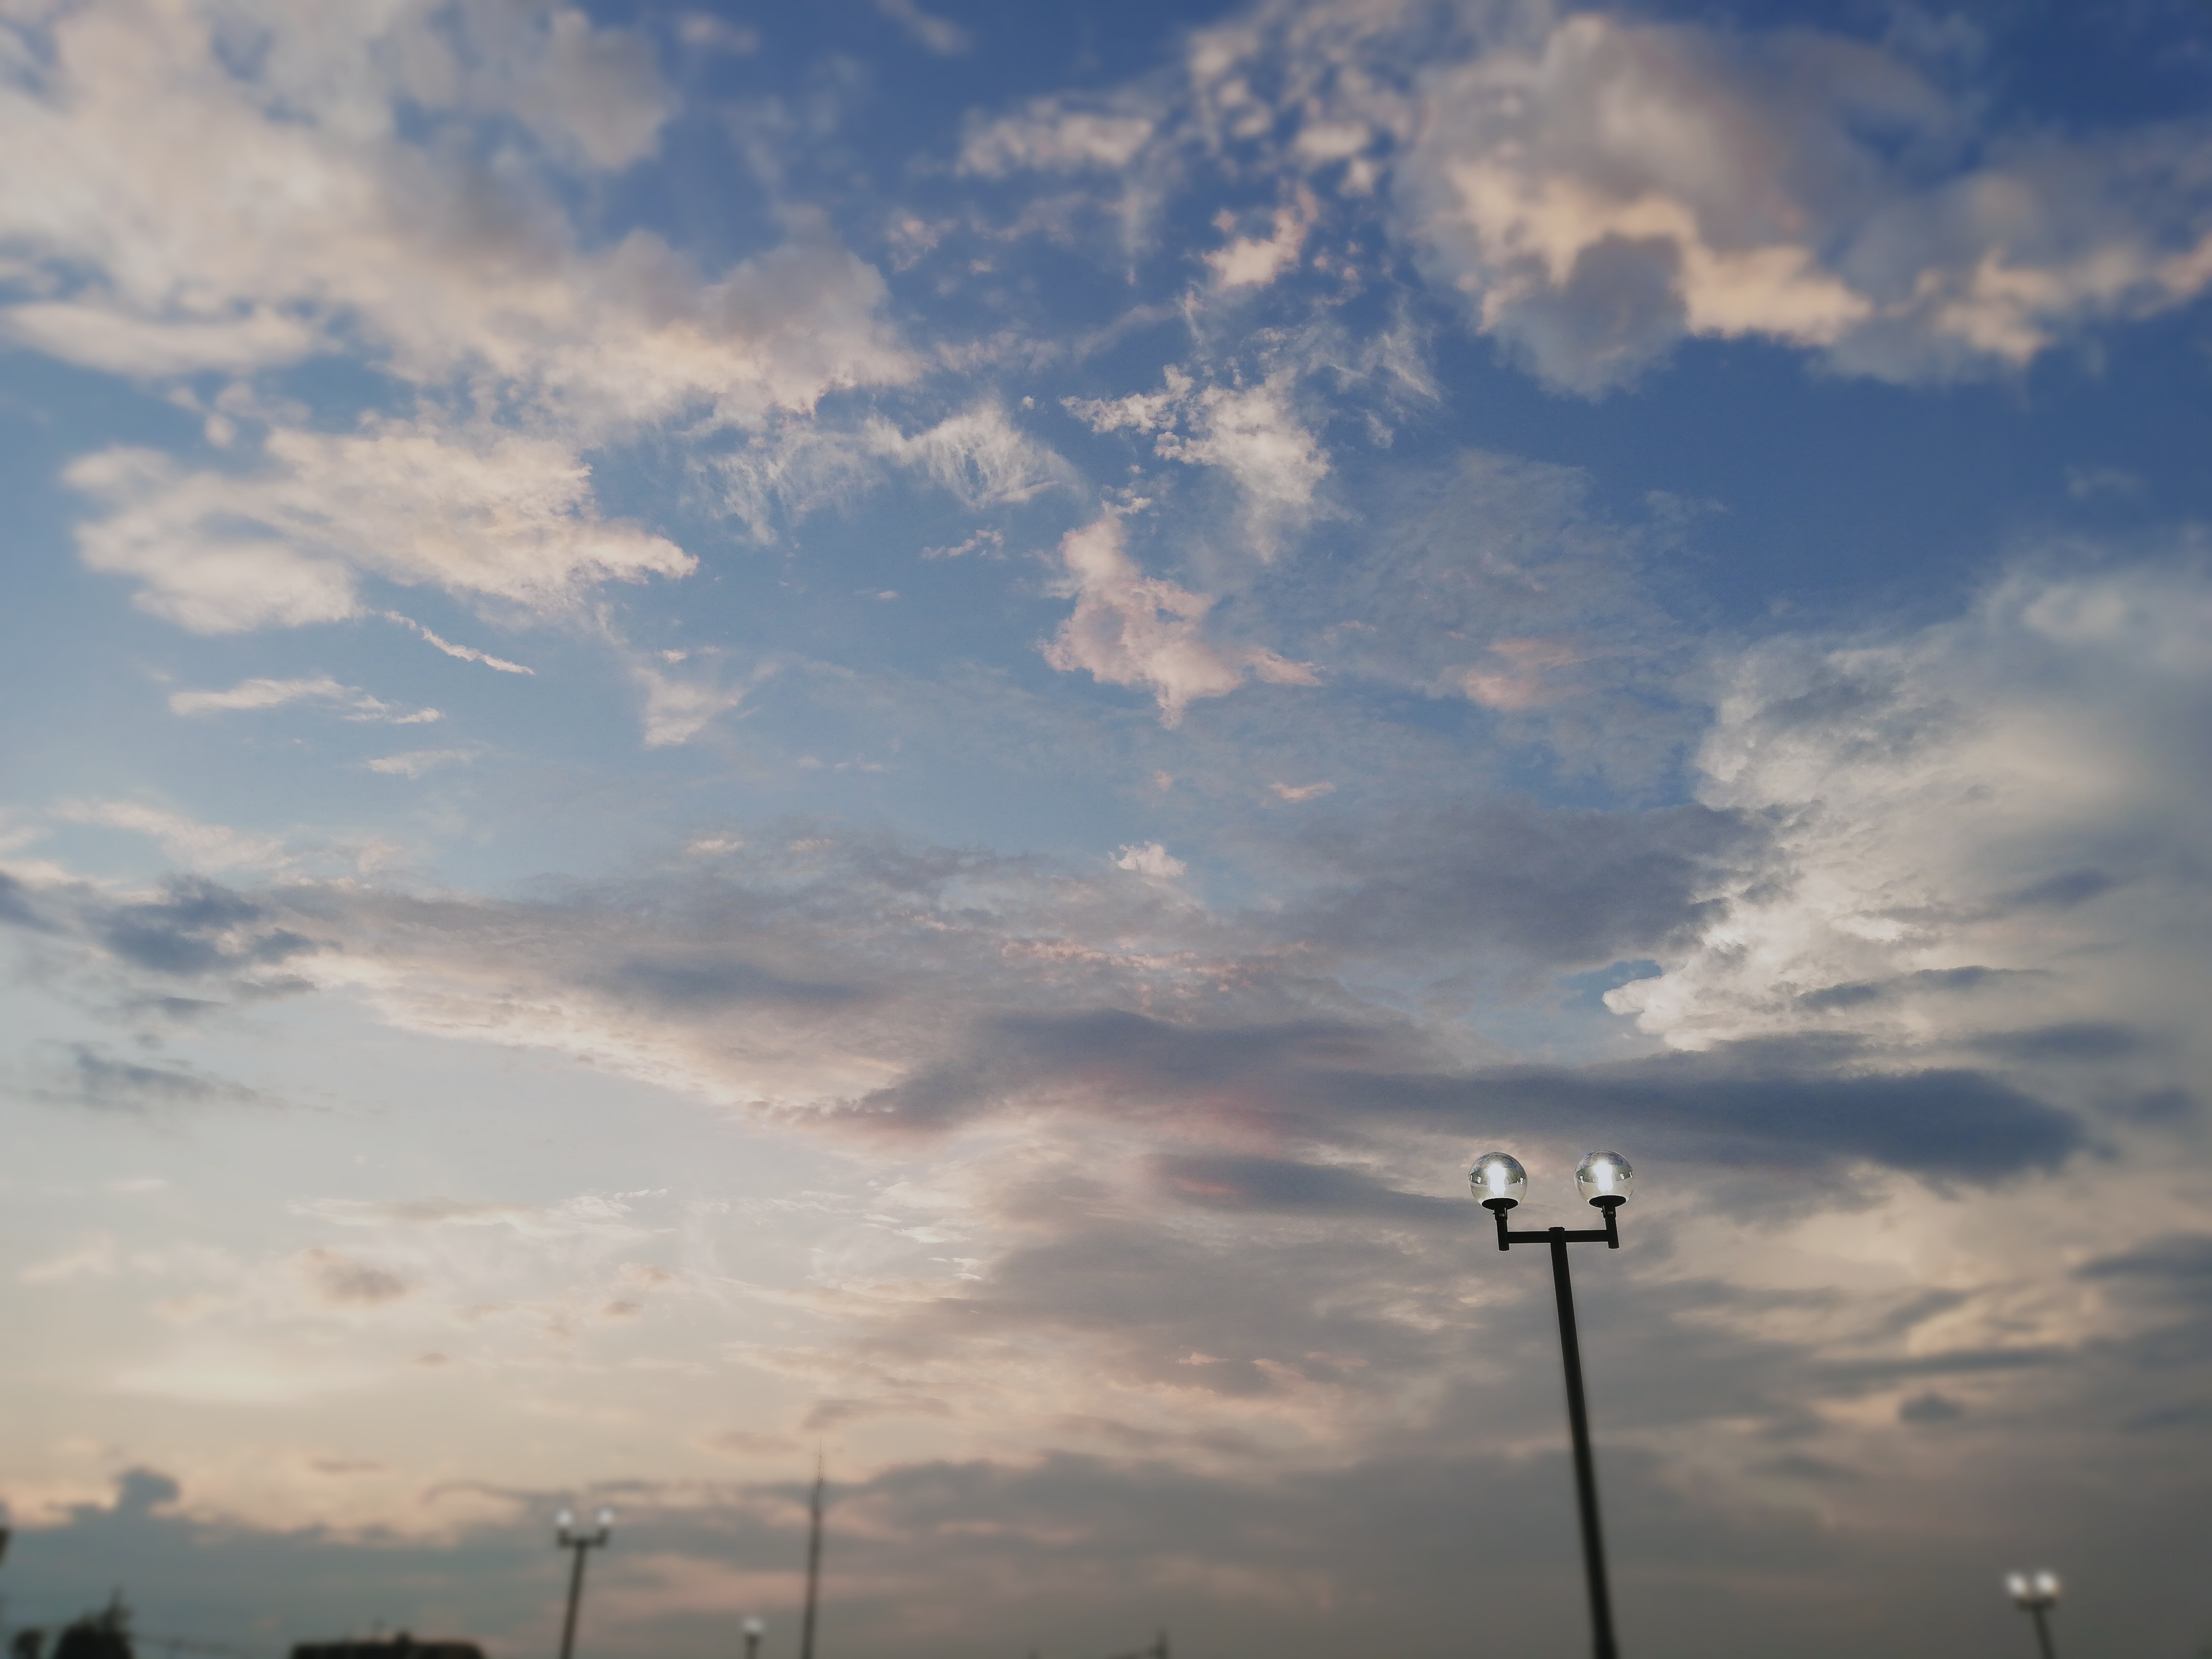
[1603, 1179]
[568, 1537]
[2035, 1594]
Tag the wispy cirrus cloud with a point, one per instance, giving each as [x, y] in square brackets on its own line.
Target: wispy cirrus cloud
[275, 694]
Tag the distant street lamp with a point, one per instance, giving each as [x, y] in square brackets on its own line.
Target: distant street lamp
[568, 1538]
[1603, 1178]
[754, 1630]
[2035, 1594]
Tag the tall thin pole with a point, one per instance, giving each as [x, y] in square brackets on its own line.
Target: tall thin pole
[575, 1594]
[813, 1566]
[1571, 1353]
[2042, 1612]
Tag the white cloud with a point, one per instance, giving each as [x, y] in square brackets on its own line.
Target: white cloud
[275, 694]
[941, 35]
[799, 467]
[184, 839]
[415, 761]
[1255, 262]
[98, 337]
[465, 653]
[1990, 824]
[979, 455]
[1252, 433]
[179, 202]
[1051, 135]
[1149, 859]
[1129, 629]
[481, 511]
[1614, 186]
[677, 708]
[703, 32]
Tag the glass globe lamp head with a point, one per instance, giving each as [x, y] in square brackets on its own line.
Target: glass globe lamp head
[1499, 1178]
[2047, 1586]
[755, 1627]
[2016, 1586]
[565, 1522]
[605, 1518]
[1604, 1178]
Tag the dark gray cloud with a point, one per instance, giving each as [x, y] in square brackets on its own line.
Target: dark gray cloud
[1930, 1407]
[94, 1076]
[2179, 1264]
[1820, 1099]
[1087, 1556]
[1859, 994]
[17, 909]
[2084, 1040]
[346, 1281]
[200, 928]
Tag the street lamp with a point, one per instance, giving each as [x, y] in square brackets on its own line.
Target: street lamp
[1603, 1178]
[754, 1630]
[2035, 1594]
[566, 1535]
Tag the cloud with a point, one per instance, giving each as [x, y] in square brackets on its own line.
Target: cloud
[1959, 827]
[1609, 187]
[978, 455]
[275, 694]
[1052, 135]
[415, 761]
[1150, 858]
[1597, 187]
[343, 1281]
[1252, 433]
[1255, 262]
[703, 32]
[194, 209]
[197, 927]
[940, 35]
[1128, 629]
[482, 512]
[186, 839]
[443, 268]
[1516, 679]
[465, 653]
[679, 706]
[1559, 887]
[99, 1079]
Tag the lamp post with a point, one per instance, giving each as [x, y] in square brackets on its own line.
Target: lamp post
[2035, 1594]
[568, 1538]
[1603, 1178]
[754, 1630]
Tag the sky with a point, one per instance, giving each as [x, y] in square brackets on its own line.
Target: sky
[883, 728]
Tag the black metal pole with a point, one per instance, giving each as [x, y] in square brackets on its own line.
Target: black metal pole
[2042, 1629]
[575, 1594]
[813, 1566]
[1570, 1354]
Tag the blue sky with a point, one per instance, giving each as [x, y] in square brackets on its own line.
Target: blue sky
[886, 728]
